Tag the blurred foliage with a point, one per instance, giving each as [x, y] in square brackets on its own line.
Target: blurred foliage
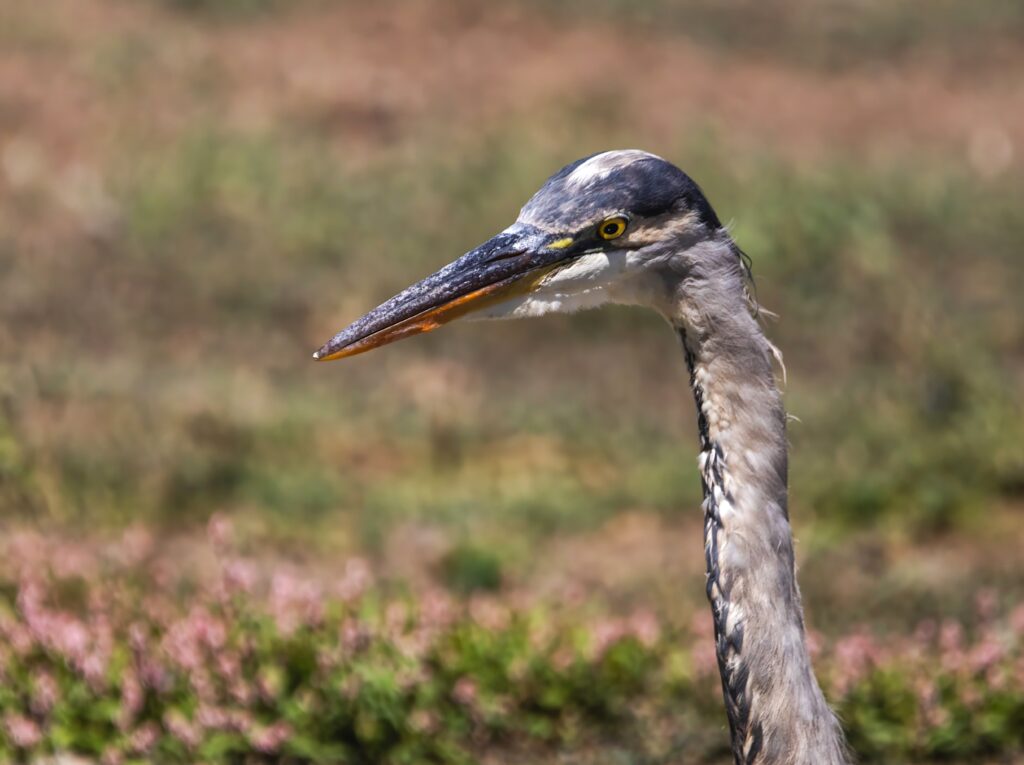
[189, 386]
[833, 34]
[468, 568]
[104, 658]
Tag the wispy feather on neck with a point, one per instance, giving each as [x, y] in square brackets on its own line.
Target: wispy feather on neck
[757, 311]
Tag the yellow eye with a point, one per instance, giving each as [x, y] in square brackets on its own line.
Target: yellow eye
[612, 228]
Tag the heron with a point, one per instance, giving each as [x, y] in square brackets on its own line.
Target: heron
[629, 227]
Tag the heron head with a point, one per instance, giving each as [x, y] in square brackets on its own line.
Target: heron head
[607, 228]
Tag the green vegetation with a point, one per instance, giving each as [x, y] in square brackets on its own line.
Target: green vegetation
[468, 569]
[108, 660]
[195, 391]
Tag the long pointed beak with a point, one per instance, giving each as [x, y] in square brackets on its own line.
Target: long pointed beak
[512, 263]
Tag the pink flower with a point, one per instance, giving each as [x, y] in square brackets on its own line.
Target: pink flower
[1017, 620]
[562, 659]
[185, 640]
[997, 677]
[240, 720]
[69, 637]
[854, 656]
[202, 684]
[702, 625]
[815, 643]
[465, 691]
[217, 718]
[414, 644]
[936, 716]
[22, 732]
[153, 674]
[208, 630]
[45, 693]
[73, 562]
[229, 666]
[951, 640]
[925, 631]
[644, 626]
[239, 576]
[986, 653]
[183, 730]
[137, 638]
[327, 658]
[294, 602]
[268, 740]
[436, 609]
[144, 738]
[242, 692]
[986, 601]
[605, 634]
[181, 649]
[94, 670]
[423, 721]
[132, 698]
[136, 545]
[219, 531]
[971, 696]
[18, 637]
[354, 635]
[410, 677]
[705, 661]
[489, 613]
[951, 636]
[26, 548]
[927, 692]
[573, 594]
[212, 718]
[57, 631]
[355, 578]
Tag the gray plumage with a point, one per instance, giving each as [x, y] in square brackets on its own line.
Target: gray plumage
[777, 712]
[629, 227]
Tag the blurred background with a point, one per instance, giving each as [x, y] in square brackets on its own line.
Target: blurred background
[194, 194]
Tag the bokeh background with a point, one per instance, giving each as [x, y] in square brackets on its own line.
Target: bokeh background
[484, 545]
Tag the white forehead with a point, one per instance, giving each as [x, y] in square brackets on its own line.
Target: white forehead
[602, 165]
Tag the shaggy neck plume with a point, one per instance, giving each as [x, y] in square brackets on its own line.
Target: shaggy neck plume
[777, 713]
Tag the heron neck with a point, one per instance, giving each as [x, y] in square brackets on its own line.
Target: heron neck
[776, 710]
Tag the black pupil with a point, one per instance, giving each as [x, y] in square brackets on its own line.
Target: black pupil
[611, 228]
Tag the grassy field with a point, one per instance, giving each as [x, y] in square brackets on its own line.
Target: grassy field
[195, 194]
